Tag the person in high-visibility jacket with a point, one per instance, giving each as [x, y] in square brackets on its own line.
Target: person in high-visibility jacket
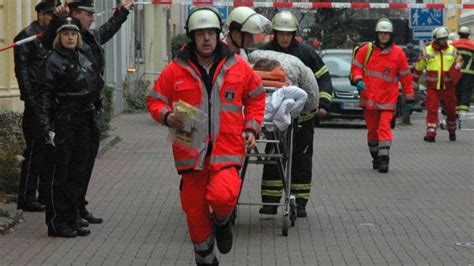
[464, 87]
[377, 82]
[209, 151]
[437, 59]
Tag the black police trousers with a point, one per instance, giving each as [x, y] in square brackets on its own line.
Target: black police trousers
[31, 168]
[301, 169]
[69, 165]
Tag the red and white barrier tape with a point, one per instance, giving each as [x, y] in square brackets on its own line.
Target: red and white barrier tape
[316, 5]
[20, 42]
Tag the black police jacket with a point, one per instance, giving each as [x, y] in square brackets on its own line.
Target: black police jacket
[92, 39]
[69, 85]
[311, 59]
[28, 57]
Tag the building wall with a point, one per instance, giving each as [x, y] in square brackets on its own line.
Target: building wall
[14, 16]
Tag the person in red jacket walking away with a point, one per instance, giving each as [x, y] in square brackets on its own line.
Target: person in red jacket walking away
[377, 82]
[466, 83]
[442, 63]
[210, 77]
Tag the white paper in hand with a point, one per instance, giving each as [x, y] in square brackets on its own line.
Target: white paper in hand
[50, 140]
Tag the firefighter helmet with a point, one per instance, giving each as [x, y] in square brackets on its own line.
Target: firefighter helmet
[285, 21]
[246, 19]
[440, 33]
[464, 30]
[203, 18]
[384, 25]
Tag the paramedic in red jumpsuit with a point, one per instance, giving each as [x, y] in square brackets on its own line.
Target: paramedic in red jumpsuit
[209, 76]
[377, 82]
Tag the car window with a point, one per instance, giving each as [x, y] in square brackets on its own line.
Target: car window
[339, 64]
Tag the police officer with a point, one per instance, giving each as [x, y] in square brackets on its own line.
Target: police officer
[93, 39]
[464, 87]
[69, 83]
[244, 23]
[284, 26]
[27, 60]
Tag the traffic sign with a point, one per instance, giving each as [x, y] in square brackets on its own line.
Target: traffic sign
[422, 34]
[426, 18]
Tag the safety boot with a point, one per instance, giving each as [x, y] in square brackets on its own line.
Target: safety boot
[383, 161]
[429, 138]
[62, 231]
[452, 136]
[89, 217]
[301, 211]
[224, 237]
[375, 164]
[268, 209]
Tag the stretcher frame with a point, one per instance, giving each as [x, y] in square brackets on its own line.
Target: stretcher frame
[282, 159]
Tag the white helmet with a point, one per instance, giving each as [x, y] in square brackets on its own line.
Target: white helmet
[285, 21]
[440, 32]
[203, 18]
[464, 30]
[246, 19]
[384, 25]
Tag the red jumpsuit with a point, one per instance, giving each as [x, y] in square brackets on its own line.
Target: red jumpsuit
[381, 76]
[210, 156]
[437, 61]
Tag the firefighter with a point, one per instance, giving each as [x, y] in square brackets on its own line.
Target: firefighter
[93, 39]
[208, 75]
[437, 59]
[284, 26]
[377, 83]
[464, 88]
[244, 24]
[66, 112]
[27, 60]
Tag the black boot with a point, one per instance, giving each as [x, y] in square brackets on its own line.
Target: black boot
[452, 136]
[375, 164]
[268, 209]
[224, 238]
[301, 211]
[62, 231]
[429, 138]
[32, 206]
[88, 216]
[383, 163]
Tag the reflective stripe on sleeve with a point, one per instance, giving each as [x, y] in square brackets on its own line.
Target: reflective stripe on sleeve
[323, 70]
[155, 95]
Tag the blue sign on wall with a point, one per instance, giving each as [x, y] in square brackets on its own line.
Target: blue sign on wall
[426, 18]
[422, 34]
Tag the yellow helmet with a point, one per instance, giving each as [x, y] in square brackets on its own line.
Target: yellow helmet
[285, 21]
[246, 19]
[384, 25]
[203, 18]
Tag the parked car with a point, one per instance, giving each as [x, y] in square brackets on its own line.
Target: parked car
[345, 102]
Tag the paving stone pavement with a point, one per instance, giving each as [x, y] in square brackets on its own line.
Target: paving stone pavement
[414, 215]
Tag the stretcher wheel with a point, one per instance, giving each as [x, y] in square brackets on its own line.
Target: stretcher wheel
[293, 210]
[286, 222]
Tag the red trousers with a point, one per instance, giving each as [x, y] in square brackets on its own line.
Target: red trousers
[378, 125]
[432, 104]
[204, 190]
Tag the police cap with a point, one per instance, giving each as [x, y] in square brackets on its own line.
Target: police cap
[47, 6]
[87, 5]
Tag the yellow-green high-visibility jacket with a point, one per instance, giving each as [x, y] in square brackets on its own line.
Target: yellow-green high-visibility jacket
[437, 64]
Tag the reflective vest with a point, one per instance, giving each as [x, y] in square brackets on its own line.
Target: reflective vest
[236, 103]
[466, 49]
[437, 64]
[381, 74]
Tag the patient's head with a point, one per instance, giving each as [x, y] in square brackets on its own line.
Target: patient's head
[271, 72]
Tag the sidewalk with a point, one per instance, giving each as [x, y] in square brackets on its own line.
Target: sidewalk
[413, 215]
